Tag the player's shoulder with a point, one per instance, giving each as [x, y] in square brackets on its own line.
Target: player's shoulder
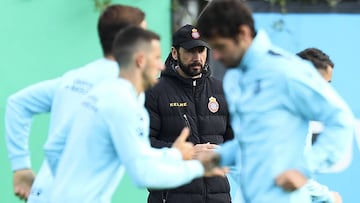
[86, 68]
[114, 89]
[113, 96]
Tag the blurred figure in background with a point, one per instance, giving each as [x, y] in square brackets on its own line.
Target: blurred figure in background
[320, 60]
[270, 90]
[324, 65]
[59, 96]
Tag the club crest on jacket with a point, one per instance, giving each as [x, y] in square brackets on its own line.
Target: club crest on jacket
[213, 105]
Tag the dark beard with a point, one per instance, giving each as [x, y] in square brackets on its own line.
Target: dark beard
[187, 68]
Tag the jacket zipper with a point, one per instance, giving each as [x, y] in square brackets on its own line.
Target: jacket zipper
[164, 196]
[187, 123]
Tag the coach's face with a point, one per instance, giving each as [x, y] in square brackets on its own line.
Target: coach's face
[192, 61]
[153, 65]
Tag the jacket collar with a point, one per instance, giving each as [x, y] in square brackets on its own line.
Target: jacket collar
[260, 45]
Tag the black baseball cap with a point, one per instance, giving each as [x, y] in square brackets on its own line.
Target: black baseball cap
[188, 37]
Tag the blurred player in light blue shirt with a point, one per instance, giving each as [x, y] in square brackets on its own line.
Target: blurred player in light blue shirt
[324, 65]
[272, 96]
[61, 97]
[110, 132]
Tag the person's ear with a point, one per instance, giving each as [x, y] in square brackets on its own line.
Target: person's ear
[140, 60]
[244, 34]
[174, 53]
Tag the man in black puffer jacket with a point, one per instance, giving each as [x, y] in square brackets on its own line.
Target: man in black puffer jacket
[187, 95]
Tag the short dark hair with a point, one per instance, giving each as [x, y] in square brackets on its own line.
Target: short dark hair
[130, 40]
[224, 17]
[114, 18]
[317, 57]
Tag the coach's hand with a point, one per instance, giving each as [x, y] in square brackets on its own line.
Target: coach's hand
[291, 180]
[186, 148]
[23, 180]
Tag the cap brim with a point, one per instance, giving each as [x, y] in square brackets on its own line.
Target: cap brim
[193, 44]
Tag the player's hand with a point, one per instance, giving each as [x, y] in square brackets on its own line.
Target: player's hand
[186, 148]
[337, 197]
[210, 161]
[291, 180]
[23, 180]
[199, 148]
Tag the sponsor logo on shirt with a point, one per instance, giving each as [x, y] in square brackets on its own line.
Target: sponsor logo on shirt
[178, 104]
[80, 86]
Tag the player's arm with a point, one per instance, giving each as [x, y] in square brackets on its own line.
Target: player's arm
[321, 194]
[147, 166]
[165, 168]
[21, 107]
[314, 99]
[227, 152]
[291, 180]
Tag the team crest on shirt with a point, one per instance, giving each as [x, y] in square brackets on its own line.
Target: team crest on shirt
[195, 34]
[213, 105]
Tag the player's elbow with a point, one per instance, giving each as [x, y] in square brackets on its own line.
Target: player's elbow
[142, 181]
[11, 102]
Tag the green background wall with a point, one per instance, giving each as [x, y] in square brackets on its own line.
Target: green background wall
[41, 40]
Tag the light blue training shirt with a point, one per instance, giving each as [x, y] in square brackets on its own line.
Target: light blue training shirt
[61, 97]
[272, 96]
[110, 133]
